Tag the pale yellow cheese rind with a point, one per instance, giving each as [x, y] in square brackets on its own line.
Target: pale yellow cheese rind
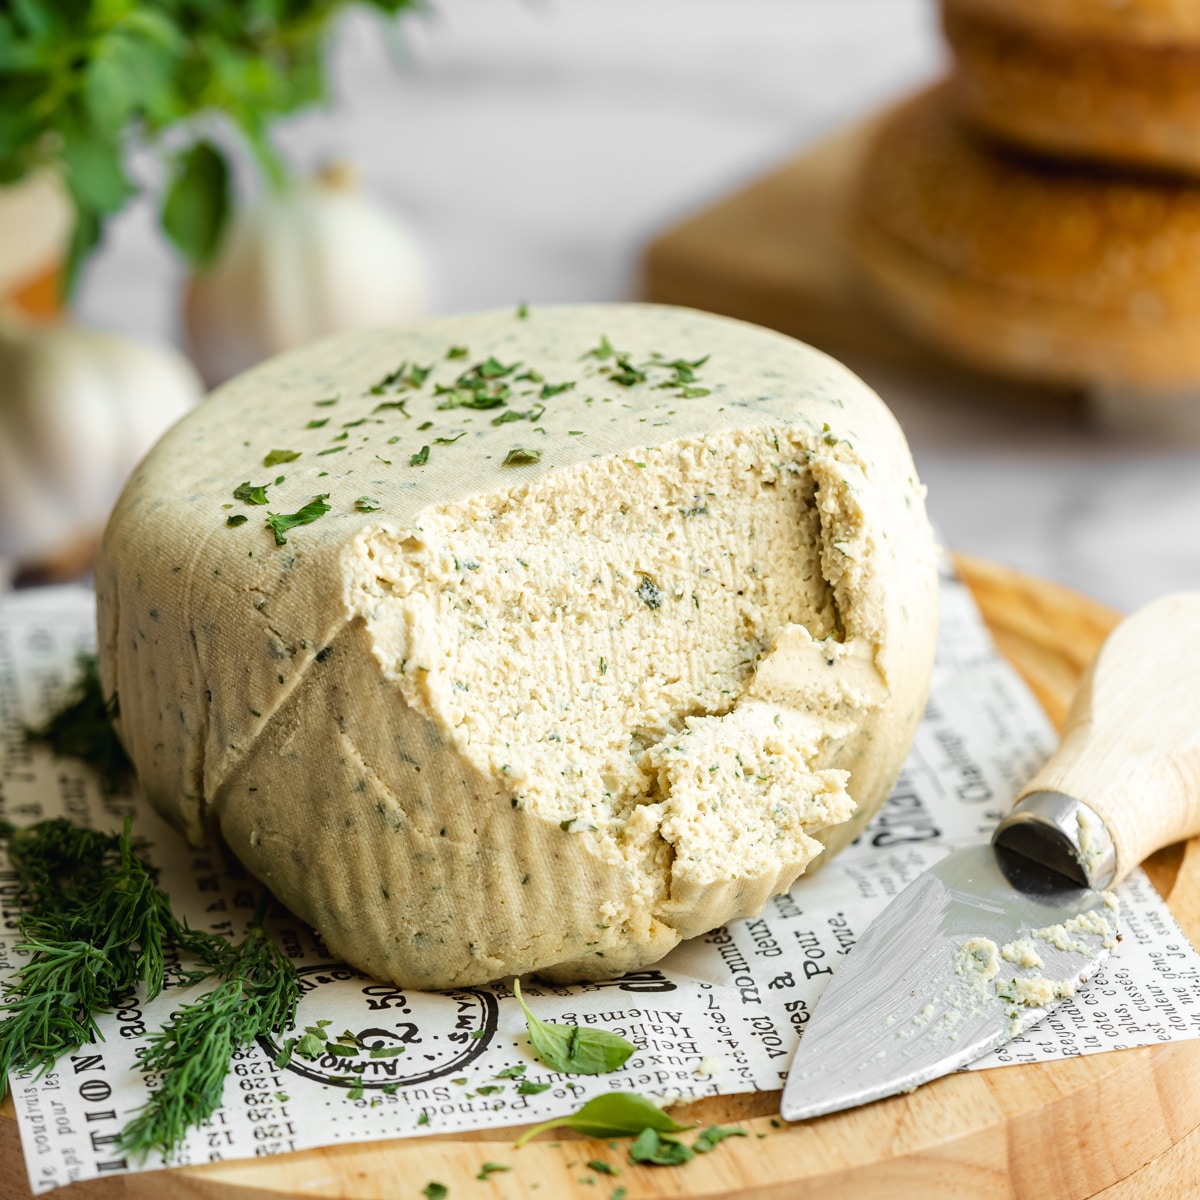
[482, 718]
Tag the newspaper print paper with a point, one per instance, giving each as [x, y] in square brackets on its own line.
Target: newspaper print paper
[721, 1014]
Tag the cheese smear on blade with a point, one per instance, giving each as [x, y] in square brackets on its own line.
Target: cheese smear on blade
[546, 640]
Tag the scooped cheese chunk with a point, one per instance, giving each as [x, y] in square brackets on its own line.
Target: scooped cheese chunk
[581, 633]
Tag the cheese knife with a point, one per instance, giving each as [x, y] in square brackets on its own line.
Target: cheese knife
[986, 942]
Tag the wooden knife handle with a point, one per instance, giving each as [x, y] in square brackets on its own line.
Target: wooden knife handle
[1130, 747]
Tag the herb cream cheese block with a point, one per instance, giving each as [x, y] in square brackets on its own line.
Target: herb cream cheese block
[524, 642]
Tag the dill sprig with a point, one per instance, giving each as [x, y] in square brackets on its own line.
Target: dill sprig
[94, 925]
[83, 727]
[192, 1053]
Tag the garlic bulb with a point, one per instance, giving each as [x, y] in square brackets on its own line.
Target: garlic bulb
[78, 409]
[318, 259]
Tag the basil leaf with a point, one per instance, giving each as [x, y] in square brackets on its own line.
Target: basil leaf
[649, 1147]
[573, 1049]
[280, 523]
[714, 1135]
[615, 1114]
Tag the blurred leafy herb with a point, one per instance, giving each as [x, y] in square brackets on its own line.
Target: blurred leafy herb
[83, 727]
[80, 80]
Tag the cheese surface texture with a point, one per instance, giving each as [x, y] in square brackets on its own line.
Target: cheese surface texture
[505, 643]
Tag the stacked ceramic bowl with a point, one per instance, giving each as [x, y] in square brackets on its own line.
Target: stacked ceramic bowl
[1038, 214]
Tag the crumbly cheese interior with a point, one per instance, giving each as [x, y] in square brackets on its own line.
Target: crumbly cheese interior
[595, 642]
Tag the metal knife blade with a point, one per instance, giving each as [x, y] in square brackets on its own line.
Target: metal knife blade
[984, 943]
[910, 1003]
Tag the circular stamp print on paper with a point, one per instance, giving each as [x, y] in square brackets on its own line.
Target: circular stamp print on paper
[397, 1036]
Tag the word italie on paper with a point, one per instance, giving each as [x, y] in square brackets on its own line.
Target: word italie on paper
[721, 1014]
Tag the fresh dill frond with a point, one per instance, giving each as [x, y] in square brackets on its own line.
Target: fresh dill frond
[94, 925]
[83, 727]
[191, 1055]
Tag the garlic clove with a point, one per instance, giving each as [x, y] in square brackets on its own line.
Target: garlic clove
[318, 259]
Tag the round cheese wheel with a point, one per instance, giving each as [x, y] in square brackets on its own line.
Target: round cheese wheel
[524, 642]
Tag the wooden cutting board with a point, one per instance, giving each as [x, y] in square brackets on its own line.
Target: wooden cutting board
[1116, 1126]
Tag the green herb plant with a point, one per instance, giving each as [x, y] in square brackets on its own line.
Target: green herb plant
[83, 80]
[573, 1049]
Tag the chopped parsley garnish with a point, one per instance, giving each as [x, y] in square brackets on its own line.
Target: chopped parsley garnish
[327, 403]
[714, 1135]
[492, 369]
[527, 1087]
[444, 441]
[435, 1191]
[513, 414]
[275, 457]
[694, 393]
[461, 397]
[511, 1072]
[251, 493]
[420, 458]
[404, 376]
[280, 523]
[522, 311]
[236, 520]
[330, 450]
[602, 1168]
[556, 389]
[490, 1168]
[628, 374]
[602, 351]
[399, 404]
[387, 1051]
[519, 456]
[457, 352]
[317, 423]
[365, 504]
